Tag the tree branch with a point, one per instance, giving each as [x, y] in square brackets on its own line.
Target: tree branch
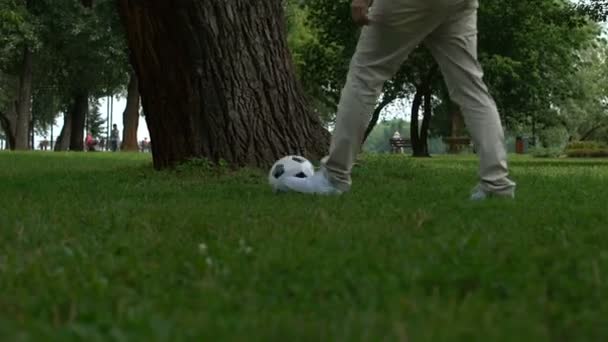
[592, 130]
[386, 100]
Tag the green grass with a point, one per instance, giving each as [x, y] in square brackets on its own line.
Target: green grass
[101, 247]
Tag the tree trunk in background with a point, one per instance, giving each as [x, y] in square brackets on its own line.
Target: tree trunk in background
[420, 135]
[422, 149]
[24, 102]
[376, 116]
[6, 125]
[63, 140]
[79, 110]
[414, 126]
[130, 117]
[217, 81]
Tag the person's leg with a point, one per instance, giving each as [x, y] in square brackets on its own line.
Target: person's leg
[397, 27]
[454, 46]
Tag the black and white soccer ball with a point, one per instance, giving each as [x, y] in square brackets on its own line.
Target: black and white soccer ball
[290, 166]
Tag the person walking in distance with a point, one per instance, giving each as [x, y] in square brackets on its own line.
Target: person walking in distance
[114, 138]
[392, 30]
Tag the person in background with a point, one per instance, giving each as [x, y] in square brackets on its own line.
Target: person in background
[114, 138]
[90, 142]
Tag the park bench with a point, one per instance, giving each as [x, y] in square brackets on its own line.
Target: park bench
[399, 144]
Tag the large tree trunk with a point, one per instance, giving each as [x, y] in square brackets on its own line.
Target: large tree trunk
[79, 110]
[130, 117]
[24, 102]
[63, 140]
[217, 82]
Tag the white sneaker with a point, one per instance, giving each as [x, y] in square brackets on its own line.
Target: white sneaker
[317, 184]
[479, 194]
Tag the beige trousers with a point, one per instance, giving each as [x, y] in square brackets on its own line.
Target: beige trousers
[448, 28]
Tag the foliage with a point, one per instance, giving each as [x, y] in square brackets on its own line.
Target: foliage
[75, 49]
[586, 145]
[587, 149]
[553, 141]
[547, 152]
[588, 153]
[324, 56]
[310, 53]
[17, 29]
[597, 9]
[585, 112]
[116, 251]
[86, 49]
[554, 137]
[526, 47]
[45, 106]
[96, 123]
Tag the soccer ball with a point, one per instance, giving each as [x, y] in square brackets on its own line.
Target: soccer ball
[290, 166]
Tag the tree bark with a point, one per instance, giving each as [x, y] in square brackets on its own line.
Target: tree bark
[24, 102]
[419, 134]
[376, 116]
[217, 82]
[414, 127]
[63, 140]
[5, 124]
[423, 147]
[79, 110]
[130, 117]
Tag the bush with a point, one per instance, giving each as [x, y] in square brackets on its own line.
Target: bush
[586, 145]
[588, 153]
[553, 141]
[554, 137]
[587, 149]
[547, 152]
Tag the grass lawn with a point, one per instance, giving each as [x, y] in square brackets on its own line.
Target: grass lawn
[98, 246]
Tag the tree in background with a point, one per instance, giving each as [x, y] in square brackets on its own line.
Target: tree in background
[55, 56]
[95, 123]
[585, 112]
[85, 52]
[130, 116]
[525, 46]
[18, 40]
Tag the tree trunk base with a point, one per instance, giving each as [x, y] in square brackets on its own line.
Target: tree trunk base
[220, 92]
